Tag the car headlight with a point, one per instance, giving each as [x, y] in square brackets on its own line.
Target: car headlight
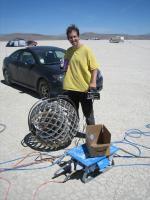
[58, 77]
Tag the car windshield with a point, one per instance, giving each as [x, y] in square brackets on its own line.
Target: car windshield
[50, 56]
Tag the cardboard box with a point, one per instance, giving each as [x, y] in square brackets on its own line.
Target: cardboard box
[98, 140]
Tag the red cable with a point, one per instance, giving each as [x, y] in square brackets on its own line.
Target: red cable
[6, 195]
[38, 188]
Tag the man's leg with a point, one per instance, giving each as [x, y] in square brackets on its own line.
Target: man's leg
[87, 107]
[74, 96]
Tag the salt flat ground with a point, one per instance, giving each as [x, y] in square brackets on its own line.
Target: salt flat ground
[124, 104]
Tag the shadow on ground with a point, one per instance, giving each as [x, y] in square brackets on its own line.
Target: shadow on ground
[68, 171]
[22, 89]
[71, 173]
[33, 142]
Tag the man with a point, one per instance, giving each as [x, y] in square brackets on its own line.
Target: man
[81, 72]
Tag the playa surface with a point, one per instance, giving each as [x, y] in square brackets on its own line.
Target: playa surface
[124, 105]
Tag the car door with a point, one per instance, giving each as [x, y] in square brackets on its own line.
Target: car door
[13, 65]
[26, 68]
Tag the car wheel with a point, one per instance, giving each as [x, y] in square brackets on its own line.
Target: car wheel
[7, 77]
[43, 89]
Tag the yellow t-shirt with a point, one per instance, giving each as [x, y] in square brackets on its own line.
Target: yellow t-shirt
[80, 61]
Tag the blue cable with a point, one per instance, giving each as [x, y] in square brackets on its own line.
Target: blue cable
[2, 127]
[147, 125]
[129, 143]
[11, 160]
[26, 169]
[134, 133]
[8, 161]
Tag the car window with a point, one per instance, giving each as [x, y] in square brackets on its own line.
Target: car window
[60, 54]
[27, 57]
[21, 43]
[51, 57]
[11, 43]
[47, 56]
[14, 56]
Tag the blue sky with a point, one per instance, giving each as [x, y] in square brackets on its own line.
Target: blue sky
[53, 16]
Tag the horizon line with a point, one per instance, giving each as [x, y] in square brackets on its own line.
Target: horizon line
[63, 34]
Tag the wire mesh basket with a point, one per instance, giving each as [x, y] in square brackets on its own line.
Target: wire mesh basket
[54, 121]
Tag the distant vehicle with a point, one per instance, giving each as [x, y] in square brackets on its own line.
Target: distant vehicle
[18, 42]
[116, 39]
[37, 68]
[31, 43]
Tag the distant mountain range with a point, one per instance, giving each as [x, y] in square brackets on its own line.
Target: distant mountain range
[87, 35]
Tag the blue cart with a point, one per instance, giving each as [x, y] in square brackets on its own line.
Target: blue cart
[80, 160]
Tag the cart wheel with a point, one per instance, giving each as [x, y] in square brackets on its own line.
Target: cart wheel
[67, 178]
[85, 178]
[89, 176]
[66, 169]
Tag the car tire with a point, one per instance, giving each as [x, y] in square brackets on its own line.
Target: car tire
[7, 77]
[43, 89]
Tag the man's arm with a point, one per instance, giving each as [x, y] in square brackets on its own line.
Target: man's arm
[93, 79]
